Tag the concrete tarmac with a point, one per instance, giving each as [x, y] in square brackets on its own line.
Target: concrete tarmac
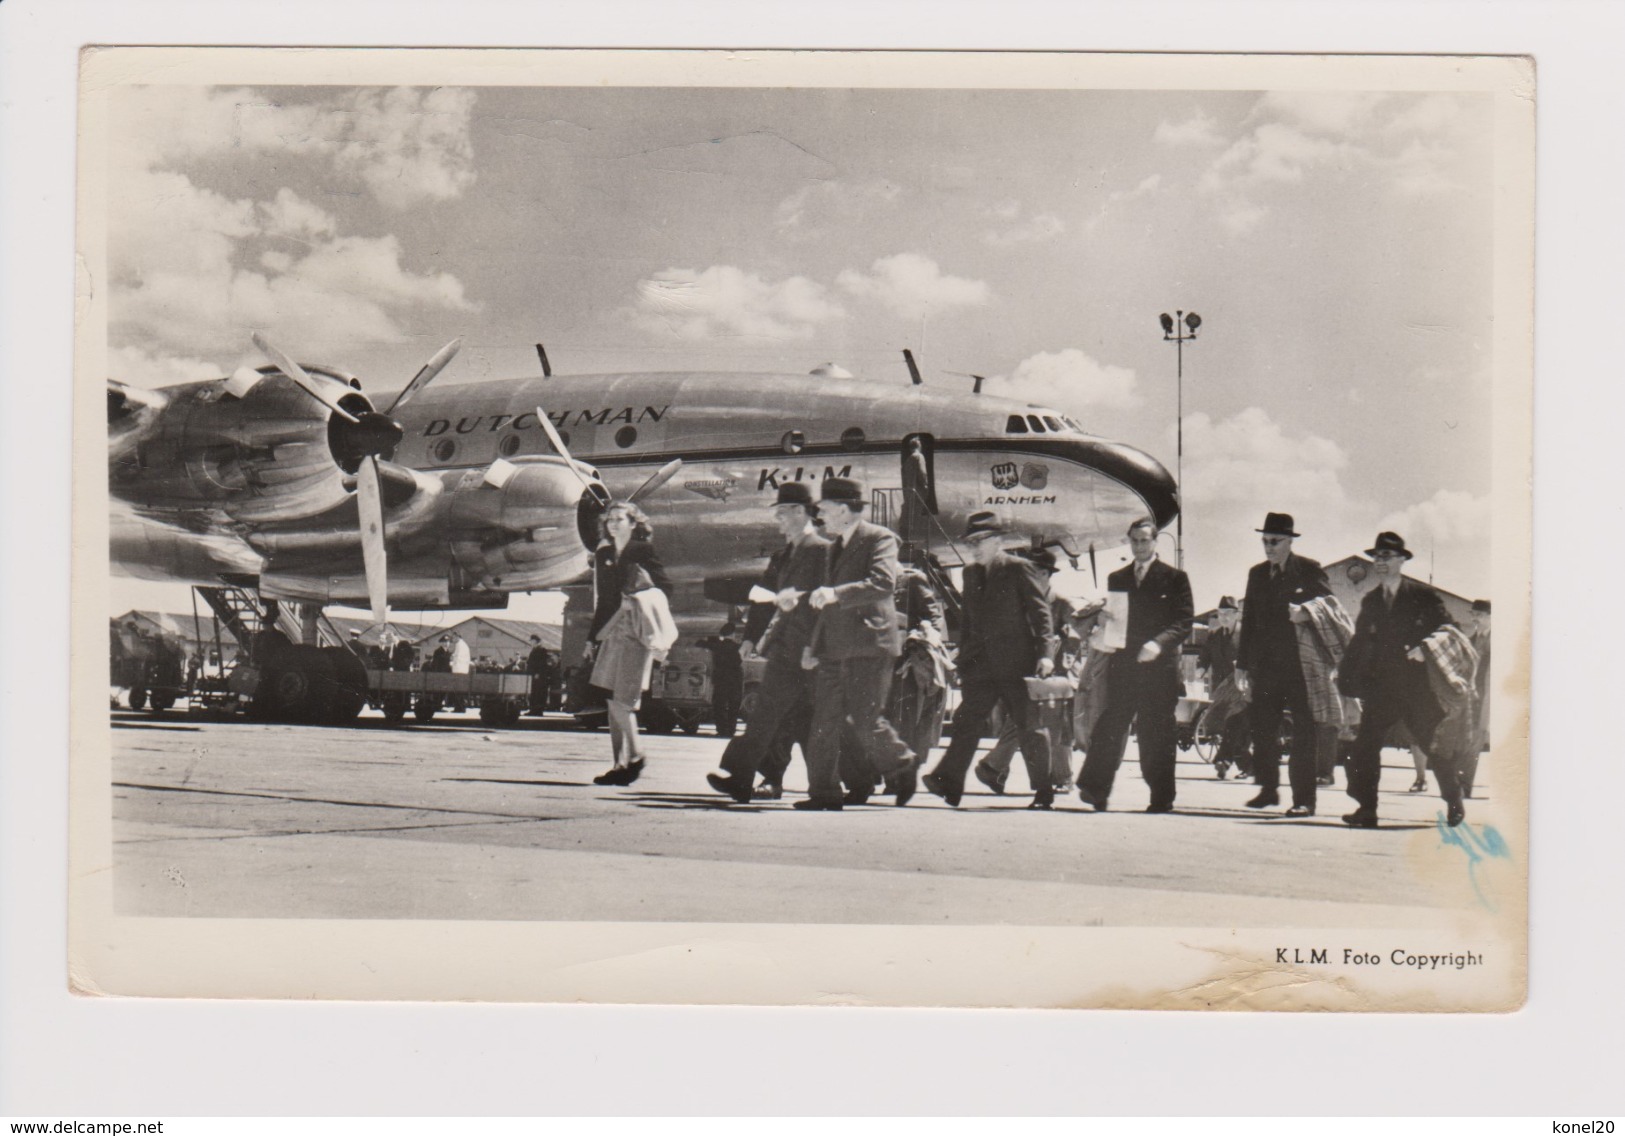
[455, 820]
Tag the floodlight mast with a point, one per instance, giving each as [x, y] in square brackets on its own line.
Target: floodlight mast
[1177, 329]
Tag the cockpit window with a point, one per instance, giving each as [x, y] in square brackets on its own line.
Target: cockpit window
[1038, 427]
[1053, 423]
[1015, 425]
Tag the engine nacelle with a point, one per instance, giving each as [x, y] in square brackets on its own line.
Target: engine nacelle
[516, 526]
[266, 455]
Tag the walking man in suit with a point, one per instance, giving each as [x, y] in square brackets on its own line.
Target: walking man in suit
[1008, 633]
[856, 642]
[1386, 669]
[783, 710]
[1269, 667]
[1142, 678]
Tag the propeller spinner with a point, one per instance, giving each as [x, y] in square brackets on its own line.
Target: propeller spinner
[358, 436]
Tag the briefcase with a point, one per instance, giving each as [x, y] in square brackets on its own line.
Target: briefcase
[1056, 688]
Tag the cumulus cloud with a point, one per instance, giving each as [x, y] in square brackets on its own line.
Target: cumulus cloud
[1448, 517]
[726, 301]
[1411, 144]
[1249, 459]
[820, 207]
[139, 367]
[1022, 230]
[1198, 130]
[406, 145]
[912, 286]
[290, 215]
[1068, 380]
[1119, 197]
[1450, 535]
[194, 269]
[1275, 153]
[1323, 112]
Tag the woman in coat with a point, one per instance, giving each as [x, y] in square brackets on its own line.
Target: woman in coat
[636, 637]
[625, 541]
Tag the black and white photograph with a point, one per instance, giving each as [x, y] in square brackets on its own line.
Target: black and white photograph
[800, 528]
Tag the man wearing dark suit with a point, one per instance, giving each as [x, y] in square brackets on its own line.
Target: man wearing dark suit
[1142, 678]
[783, 710]
[1268, 666]
[1386, 669]
[856, 642]
[1008, 634]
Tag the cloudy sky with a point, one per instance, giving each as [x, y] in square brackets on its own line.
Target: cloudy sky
[1337, 246]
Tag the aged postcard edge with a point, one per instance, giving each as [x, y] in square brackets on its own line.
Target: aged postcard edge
[175, 958]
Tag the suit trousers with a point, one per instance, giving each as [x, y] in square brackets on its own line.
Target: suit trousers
[783, 715]
[1138, 695]
[979, 694]
[1278, 687]
[1379, 713]
[848, 697]
[999, 758]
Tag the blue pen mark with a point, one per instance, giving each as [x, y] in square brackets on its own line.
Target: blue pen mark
[1477, 844]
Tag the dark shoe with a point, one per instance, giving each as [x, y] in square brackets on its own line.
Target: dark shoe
[937, 785]
[1360, 818]
[768, 791]
[1264, 800]
[989, 778]
[814, 805]
[1220, 768]
[615, 775]
[1154, 808]
[1420, 785]
[1301, 811]
[1043, 799]
[1455, 814]
[729, 787]
[1094, 802]
[905, 784]
[634, 770]
[856, 797]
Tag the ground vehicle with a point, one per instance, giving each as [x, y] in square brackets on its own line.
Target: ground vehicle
[681, 694]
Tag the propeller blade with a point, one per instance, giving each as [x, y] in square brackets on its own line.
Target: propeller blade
[370, 501]
[913, 368]
[558, 445]
[426, 374]
[310, 386]
[662, 475]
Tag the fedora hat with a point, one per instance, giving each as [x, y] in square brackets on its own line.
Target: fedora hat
[1278, 524]
[984, 523]
[1389, 542]
[1482, 606]
[1045, 559]
[1227, 603]
[842, 489]
[794, 493]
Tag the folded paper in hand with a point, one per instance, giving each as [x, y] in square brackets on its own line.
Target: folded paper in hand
[759, 594]
[1116, 625]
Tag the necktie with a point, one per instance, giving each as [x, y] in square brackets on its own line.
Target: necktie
[1139, 574]
[836, 549]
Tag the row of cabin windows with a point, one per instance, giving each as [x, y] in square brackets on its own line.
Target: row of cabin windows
[1038, 424]
[793, 442]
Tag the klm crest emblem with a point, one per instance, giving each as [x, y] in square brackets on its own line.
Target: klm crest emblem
[1005, 476]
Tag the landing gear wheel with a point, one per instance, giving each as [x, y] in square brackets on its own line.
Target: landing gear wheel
[344, 692]
[158, 703]
[138, 698]
[396, 704]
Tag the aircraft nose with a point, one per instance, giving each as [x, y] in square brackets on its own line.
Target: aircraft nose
[1139, 472]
